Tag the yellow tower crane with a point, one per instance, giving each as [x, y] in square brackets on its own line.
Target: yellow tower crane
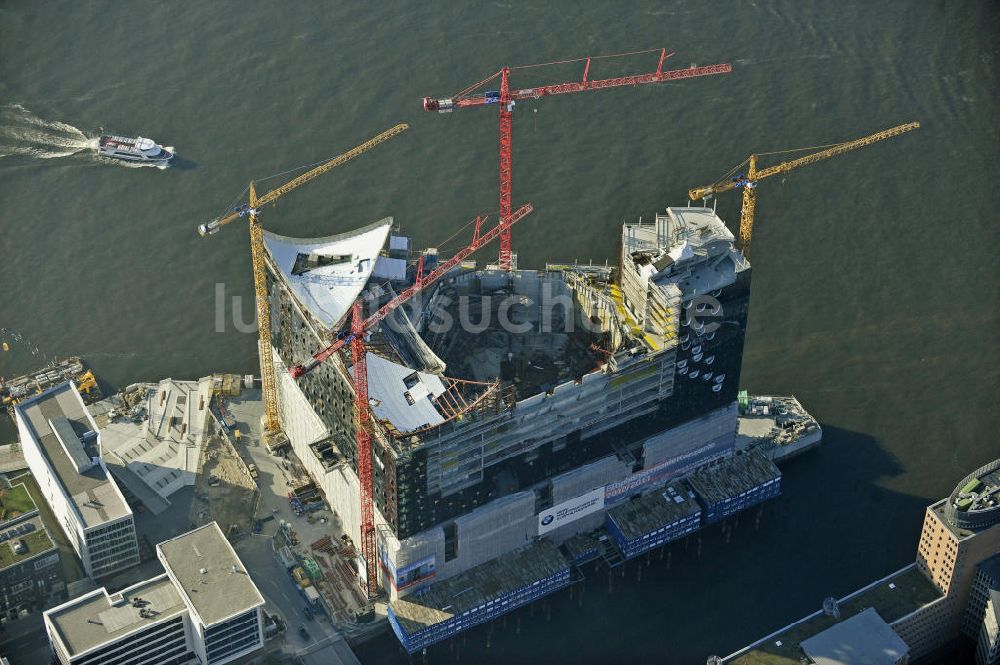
[252, 211]
[749, 180]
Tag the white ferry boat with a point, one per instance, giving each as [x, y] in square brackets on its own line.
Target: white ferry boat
[136, 149]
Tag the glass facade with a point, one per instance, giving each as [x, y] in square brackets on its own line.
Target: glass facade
[160, 644]
[415, 502]
[112, 547]
[232, 636]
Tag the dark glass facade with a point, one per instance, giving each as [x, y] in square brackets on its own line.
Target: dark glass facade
[416, 509]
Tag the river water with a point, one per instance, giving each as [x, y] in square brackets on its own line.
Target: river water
[875, 279]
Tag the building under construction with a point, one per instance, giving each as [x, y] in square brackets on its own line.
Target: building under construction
[510, 408]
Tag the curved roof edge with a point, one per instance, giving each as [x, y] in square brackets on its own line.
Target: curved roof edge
[976, 518]
[346, 235]
[327, 274]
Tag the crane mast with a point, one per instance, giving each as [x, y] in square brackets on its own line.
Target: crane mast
[271, 421]
[506, 175]
[359, 355]
[359, 358]
[269, 381]
[749, 180]
[506, 99]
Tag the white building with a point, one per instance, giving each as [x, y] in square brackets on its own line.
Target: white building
[205, 609]
[144, 624]
[223, 603]
[62, 446]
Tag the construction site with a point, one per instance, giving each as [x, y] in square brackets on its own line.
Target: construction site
[481, 432]
[433, 443]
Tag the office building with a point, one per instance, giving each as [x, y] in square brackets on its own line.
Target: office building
[205, 609]
[30, 570]
[62, 446]
[944, 602]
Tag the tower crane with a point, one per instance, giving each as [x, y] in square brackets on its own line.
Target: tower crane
[505, 99]
[748, 180]
[356, 339]
[270, 422]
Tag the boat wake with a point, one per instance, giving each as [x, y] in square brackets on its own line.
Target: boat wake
[24, 133]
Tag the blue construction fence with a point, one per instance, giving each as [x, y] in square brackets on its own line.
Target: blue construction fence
[653, 539]
[734, 504]
[487, 611]
[709, 514]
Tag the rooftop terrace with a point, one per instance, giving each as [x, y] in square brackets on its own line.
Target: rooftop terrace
[35, 538]
[478, 585]
[675, 248]
[88, 621]
[15, 502]
[94, 495]
[974, 504]
[893, 597]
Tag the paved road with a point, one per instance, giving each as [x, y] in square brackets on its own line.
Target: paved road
[281, 593]
[24, 641]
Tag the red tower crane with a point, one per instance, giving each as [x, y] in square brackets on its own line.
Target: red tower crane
[356, 338]
[505, 99]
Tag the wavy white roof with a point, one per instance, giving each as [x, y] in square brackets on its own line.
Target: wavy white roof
[328, 292]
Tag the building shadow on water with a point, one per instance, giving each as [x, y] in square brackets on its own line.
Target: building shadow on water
[836, 527]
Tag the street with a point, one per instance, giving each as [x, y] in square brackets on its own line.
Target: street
[282, 598]
[24, 640]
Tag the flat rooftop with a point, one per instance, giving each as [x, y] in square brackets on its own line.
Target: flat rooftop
[97, 617]
[653, 510]
[582, 546]
[894, 597]
[478, 585]
[733, 476]
[209, 574]
[991, 567]
[863, 639]
[94, 494]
